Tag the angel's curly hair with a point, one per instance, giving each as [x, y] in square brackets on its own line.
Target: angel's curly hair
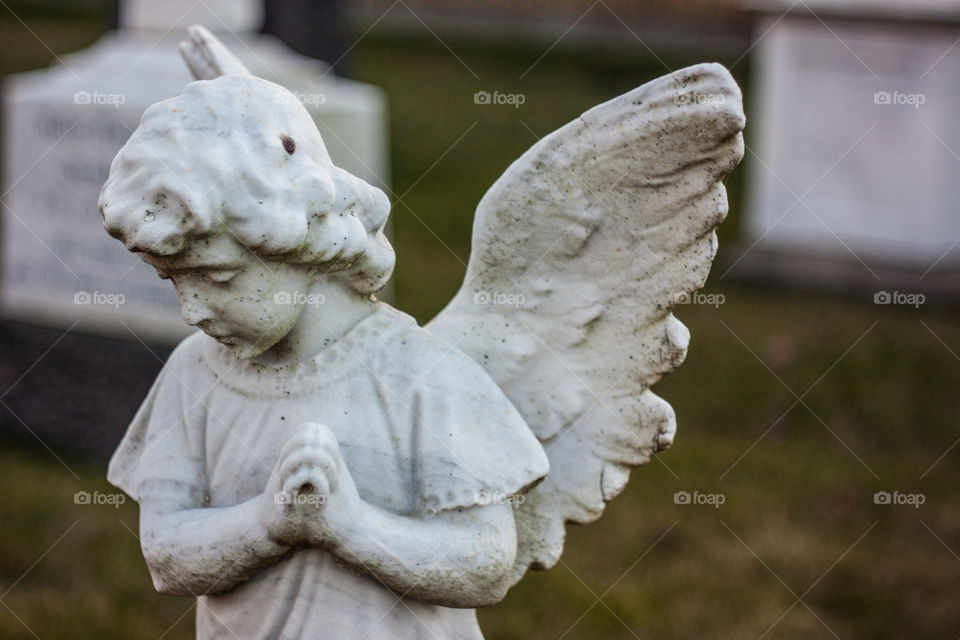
[241, 155]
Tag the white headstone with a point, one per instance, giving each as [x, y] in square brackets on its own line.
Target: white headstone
[216, 15]
[63, 126]
[856, 149]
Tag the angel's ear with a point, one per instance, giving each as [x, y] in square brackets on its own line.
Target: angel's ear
[207, 58]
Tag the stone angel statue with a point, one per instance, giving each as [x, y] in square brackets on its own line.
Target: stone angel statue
[314, 464]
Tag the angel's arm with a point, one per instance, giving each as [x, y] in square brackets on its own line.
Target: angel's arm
[459, 558]
[454, 558]
[196, 551]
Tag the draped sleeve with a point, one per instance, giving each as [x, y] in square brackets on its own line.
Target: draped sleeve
[469, 444]
[163, 448]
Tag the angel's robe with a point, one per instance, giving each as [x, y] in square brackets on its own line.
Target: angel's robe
[421, 426]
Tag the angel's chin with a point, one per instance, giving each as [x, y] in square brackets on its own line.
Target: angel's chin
[240, 348]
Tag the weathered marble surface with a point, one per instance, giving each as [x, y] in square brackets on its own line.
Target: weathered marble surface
[312, 459]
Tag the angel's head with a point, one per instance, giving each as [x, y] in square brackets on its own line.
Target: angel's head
[232, 174]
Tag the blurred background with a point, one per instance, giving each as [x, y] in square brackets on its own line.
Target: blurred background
[809, 492]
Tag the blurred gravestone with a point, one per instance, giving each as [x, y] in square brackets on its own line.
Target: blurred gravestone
[854, 182]
[63, 125]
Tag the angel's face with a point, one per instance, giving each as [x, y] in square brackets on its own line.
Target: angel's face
[246, 303]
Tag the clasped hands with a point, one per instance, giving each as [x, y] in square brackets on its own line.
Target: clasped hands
[310, 498]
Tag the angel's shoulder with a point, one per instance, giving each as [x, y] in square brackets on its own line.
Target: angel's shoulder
[189, 348]
[407, 351]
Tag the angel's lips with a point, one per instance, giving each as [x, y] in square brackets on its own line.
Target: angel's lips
[222, 337]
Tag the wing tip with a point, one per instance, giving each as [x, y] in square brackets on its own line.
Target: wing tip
[710, 86]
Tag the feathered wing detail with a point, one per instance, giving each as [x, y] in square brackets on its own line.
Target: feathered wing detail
[207, 58]
[580, 250]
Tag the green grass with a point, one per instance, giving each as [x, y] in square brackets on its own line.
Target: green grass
[33, 40]
[71, 570]
[799, 500]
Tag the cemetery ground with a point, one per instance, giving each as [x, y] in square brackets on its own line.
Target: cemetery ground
[810, 427]
[798, 518]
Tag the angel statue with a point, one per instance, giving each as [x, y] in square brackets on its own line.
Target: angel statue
[314, 464]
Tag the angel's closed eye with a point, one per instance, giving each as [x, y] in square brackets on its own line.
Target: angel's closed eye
[163, 274]
[221, 276]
